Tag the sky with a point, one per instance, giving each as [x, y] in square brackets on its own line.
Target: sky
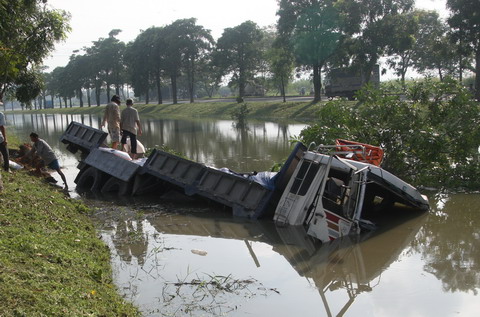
[94, 19]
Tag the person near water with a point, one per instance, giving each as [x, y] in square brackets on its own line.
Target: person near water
[130, 124]
[3, 142]
[42, 149]
[111, 117]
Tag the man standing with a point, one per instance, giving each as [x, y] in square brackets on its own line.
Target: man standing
[112, 118]
[3, 141]
[129, 123]
[46, 153]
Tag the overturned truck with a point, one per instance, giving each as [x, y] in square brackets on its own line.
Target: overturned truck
[328, 190]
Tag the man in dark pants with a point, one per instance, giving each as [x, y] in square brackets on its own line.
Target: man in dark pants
[130, 123]
[3, 142]
[44, 150]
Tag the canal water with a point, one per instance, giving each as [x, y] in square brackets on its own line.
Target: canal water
[174, 256]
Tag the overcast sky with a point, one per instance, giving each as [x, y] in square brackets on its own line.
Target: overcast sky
[93, 19]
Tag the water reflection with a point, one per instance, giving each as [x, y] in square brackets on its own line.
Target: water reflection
[298, 267]
[424, 265]
[213, 142]
[450, 242]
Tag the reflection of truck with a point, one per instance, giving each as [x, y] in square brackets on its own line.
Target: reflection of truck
[344, 82]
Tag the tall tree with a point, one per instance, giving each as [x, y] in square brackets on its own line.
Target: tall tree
[209, 75]
[196, 42]
[432, 50]
[145, 60]
[401, 50]
[28, 86]
[108, 57]
[28, 32]
[238, 53]
[282, 63]
[465, 23]
[315, 31]
[374, 27]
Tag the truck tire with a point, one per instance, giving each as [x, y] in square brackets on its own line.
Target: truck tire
[115, 185]
[91, 179]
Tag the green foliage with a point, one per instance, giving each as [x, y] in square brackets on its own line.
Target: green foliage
[239, 53]
[465, 23]
[52, 262]
[431, 139]
[373, 28]
[28, 32]
[28, 86]
[314, 29]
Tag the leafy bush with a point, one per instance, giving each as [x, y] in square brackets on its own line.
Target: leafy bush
[431, 138]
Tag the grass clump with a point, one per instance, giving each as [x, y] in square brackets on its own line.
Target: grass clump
[52, 263]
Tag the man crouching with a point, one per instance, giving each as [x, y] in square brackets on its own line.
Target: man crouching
[46, 153]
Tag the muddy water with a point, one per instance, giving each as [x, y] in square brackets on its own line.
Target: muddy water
[176, 257]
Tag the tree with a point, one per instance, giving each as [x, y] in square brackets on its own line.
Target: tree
[401, 50]
[53, 83]
[194, 42]
[315, 31]
[79, 72]
[238, 53]
[282, 63]
[108, 61]
[465, 23]
[432, 50]
[145, 59]
[28, 86]
[429, 139]
[374, 27]
[209, 75]
[28, 32]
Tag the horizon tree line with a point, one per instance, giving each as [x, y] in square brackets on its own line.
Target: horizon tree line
[182, 58]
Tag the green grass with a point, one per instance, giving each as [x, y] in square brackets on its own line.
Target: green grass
[52, 262]
[300, 111]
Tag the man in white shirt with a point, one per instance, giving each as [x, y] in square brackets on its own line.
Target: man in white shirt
[111, 117]
[130, 124]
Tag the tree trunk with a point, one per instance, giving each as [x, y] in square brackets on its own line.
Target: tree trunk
[158, 82]
[369, 69]
[317, 82]
[174, 88]
[190, 80]
[282, 89]
[440, 74]
[147, 97]
[80, 97]
[477, 73]
[241, 86]
[108, 92]
[89, 100]
[97, 96]
[53, 101]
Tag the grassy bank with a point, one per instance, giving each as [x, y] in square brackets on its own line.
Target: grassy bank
[52, 262]
[300, 111]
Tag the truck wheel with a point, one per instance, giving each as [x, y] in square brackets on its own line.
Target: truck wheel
[92, 179]
[115, 185]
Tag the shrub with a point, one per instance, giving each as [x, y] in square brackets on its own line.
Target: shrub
[431, 138]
